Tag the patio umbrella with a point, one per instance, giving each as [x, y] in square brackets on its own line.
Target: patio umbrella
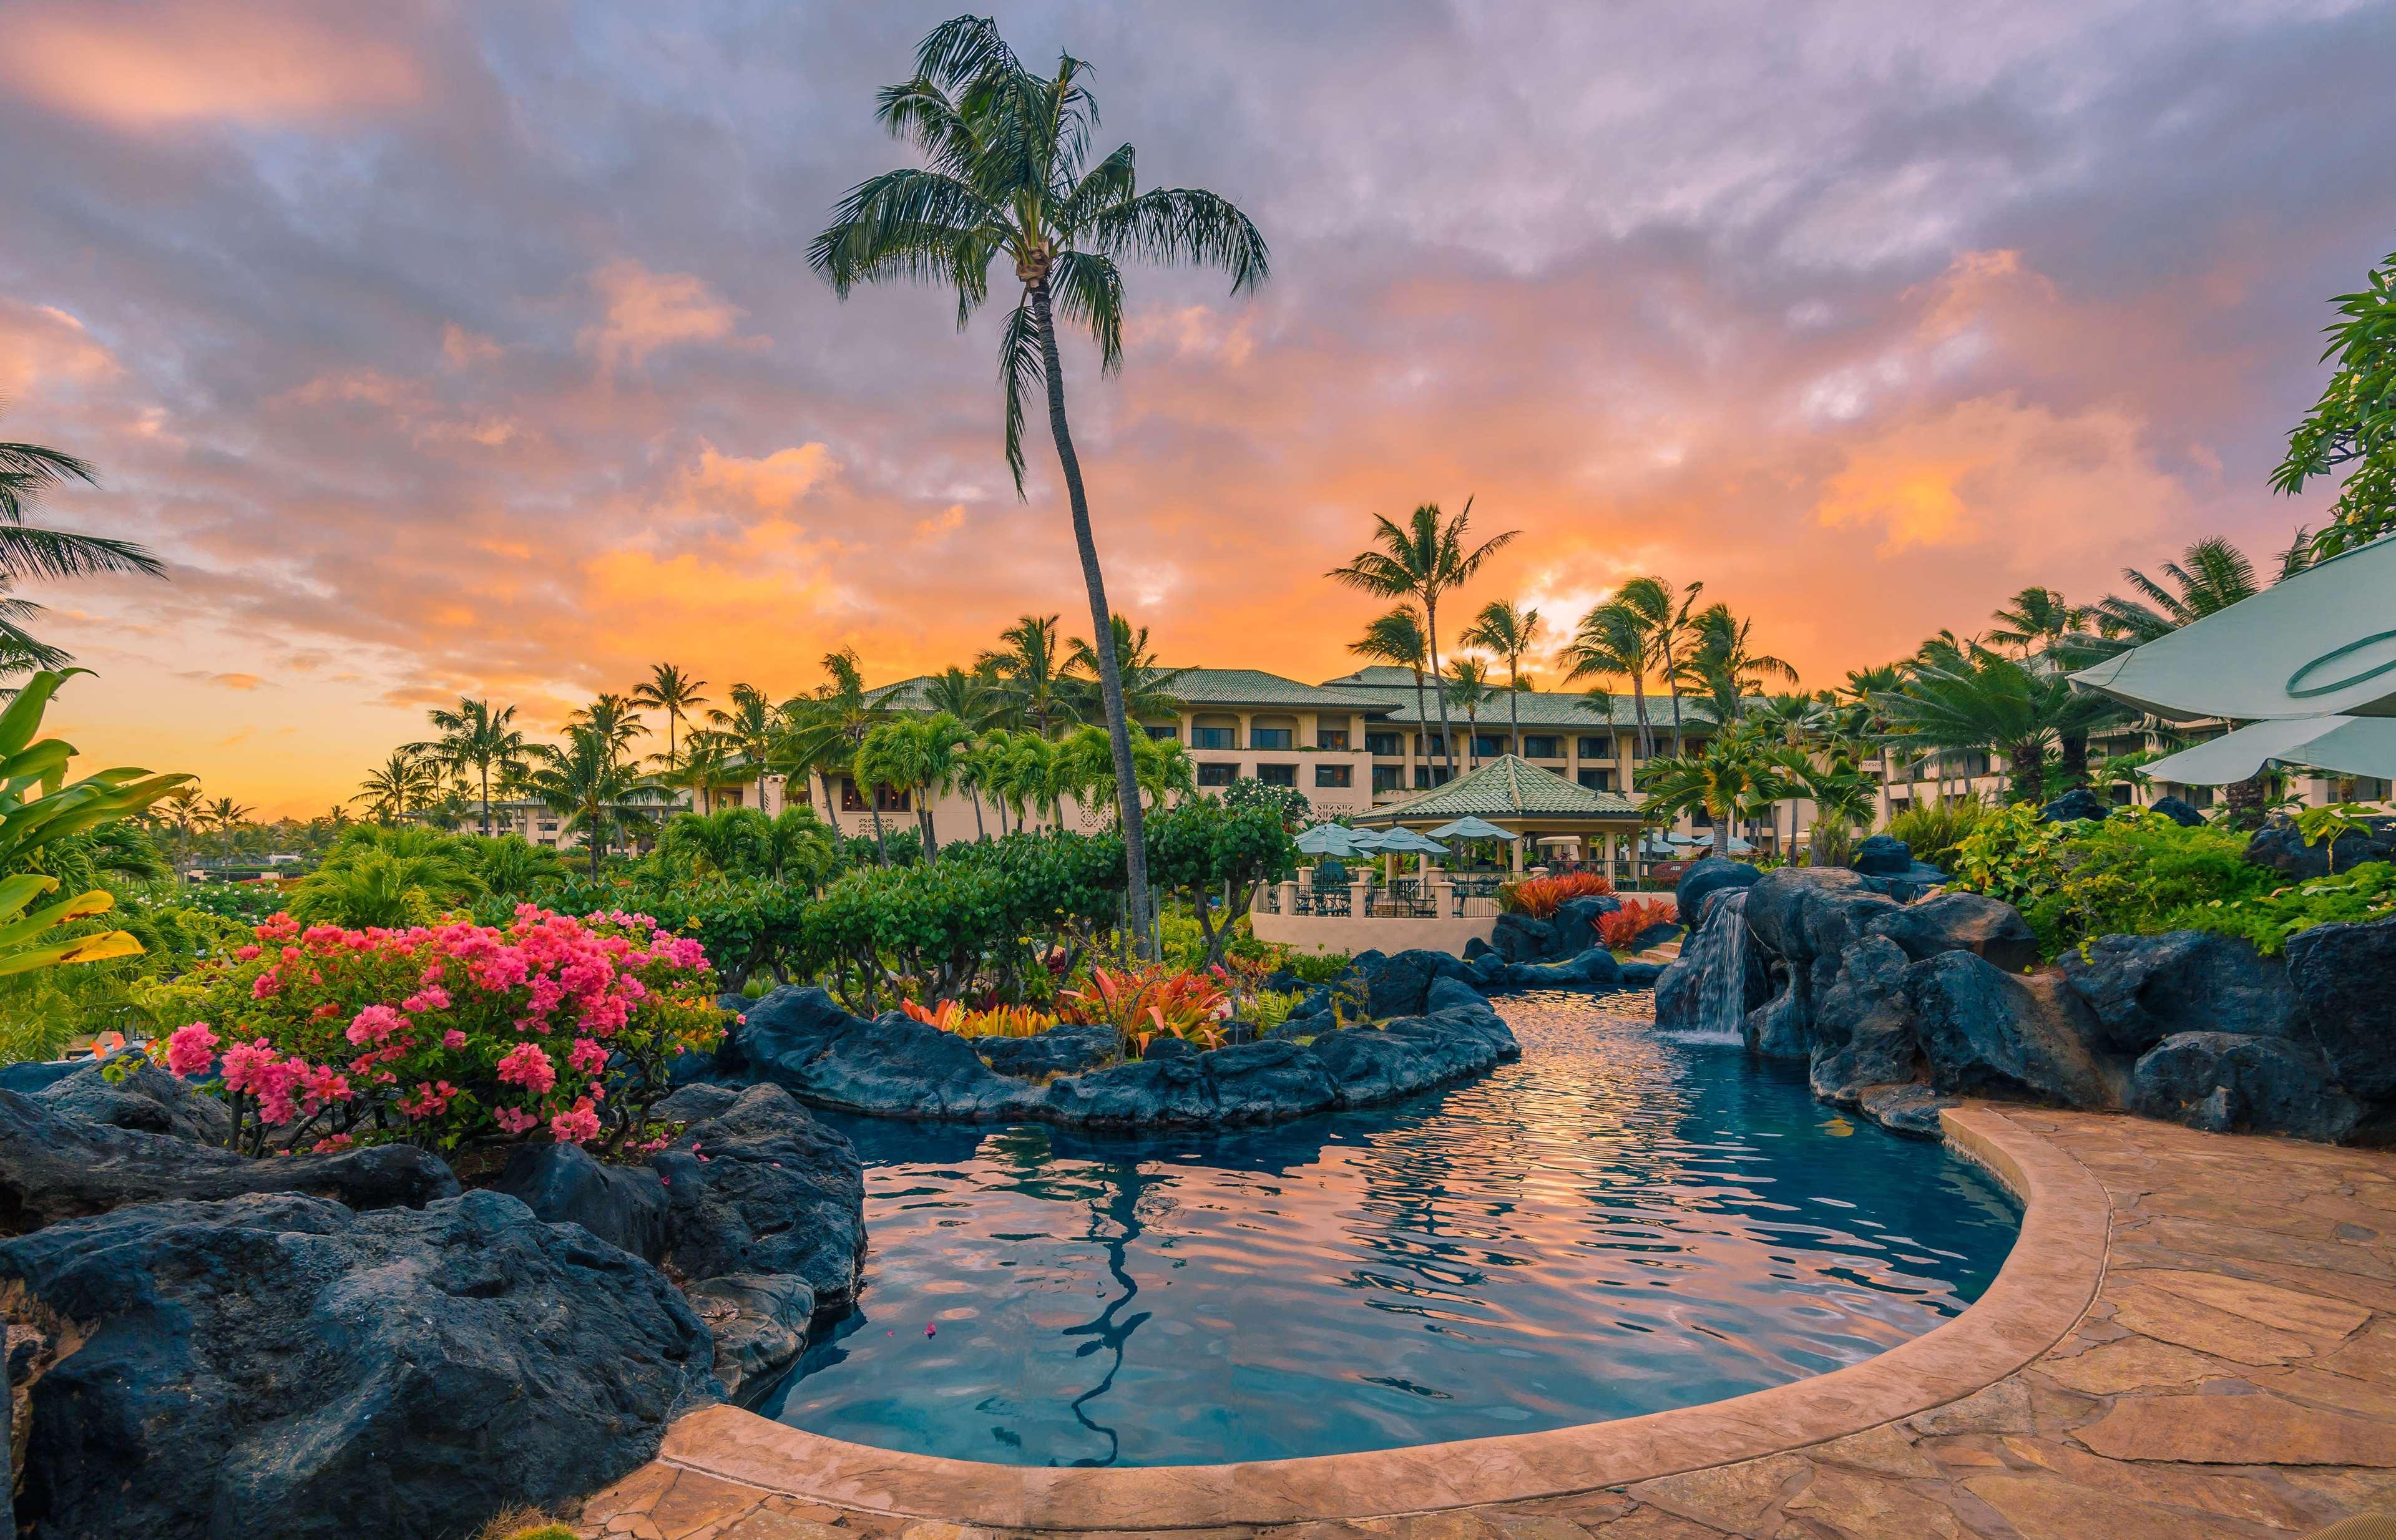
[2349, 746]
[2319, 644]
[1395, 841]
[1332, 838]
[1470, 827]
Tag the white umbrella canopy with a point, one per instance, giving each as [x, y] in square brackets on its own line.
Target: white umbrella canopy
[2349, 746]
[1332, 838]
[2320, 644]
[1470, 827]
[1403, 840]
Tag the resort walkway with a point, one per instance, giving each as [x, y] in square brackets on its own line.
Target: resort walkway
[2234, 1379]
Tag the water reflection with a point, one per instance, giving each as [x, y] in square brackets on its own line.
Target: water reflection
[1617, 1224]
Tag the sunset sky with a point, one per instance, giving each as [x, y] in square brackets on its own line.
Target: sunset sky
[470, 347]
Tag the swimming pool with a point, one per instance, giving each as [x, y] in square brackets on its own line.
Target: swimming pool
[1619, 1224]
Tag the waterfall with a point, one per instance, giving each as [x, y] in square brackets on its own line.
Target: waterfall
[1717, 955]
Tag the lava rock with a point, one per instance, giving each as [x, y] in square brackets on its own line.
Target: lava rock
[2342, 976]
[1705, 877]
[1573, 929]
[1655, 936]
[2077, 805]
[893, 1065]
[1986, 1032]
[1680, 992]
[1394, 985]
[281, 1365]
[1641, 975]
[1451, 993]
[1262, 1082]
[1594, 969]
[2178, 812]
[1067, 1050]
[1910, 1110]
[1883, 856]
[1371, 1065]
[698, 1102]
[147, 1098]
[39, 1074]
[1962, 921]
[759, 1321]
[564, 1184]
[1799, 914]
[55, 1168]
[1475, 949]
[2230, 1082]
[2143, 989]
[765, 1187]
[2280, 846]
[1520, 939]
[1863, 1023]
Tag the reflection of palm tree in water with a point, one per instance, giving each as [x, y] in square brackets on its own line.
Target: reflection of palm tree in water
[1111, 1332]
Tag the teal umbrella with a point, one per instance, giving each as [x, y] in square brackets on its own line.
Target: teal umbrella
[1406, 842]
[1332, 838]
[1470, 827]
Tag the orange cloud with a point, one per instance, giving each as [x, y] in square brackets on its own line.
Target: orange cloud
[159, 66]
[649, 311]
[43, 346]
[774, 484]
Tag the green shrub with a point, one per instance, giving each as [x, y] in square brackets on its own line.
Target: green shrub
[2366, 893]
[1312, 968]
[1933, 830]
[2132, 873]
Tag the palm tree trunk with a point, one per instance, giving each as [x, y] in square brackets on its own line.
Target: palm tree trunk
[486, 798]
[980, 833]
[2074, 755]
[2242, 803]
[1447, 730]
[1639, 710]
[1102, 630]
[1515, 699]
[1422, 721]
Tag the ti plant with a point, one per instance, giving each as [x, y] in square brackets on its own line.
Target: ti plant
[2325, 826]
[39, 807]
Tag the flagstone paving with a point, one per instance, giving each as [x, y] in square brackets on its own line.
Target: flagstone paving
[2234, 1379]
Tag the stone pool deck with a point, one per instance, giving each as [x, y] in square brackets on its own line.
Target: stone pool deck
[2195, 1338]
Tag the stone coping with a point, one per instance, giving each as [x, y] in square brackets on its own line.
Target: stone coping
[2046, 1285]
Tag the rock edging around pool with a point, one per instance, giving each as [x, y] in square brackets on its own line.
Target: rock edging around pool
[893, 1065]
[2046, 1285]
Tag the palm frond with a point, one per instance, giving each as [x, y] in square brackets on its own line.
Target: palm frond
[1020, 367]
[1088, 292]
[1177, 225]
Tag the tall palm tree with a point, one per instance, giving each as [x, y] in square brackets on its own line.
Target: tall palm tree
[1511, 633]
[400, 782]
[2209, 576]
[823, 731]
[1147, 689]
[2037, 620]
[1030, 667]
[1467, 689]
[1009, 177]
[670, 690]
[1860, 694]
[587, 783]
[1431, 554]
[1987, 700]
[478, 739]
[752, 728]
[1729, 773]
[180, 811]
[1609, 644]
[1660, 618]
[971, 697]
[27, 471]
[1721, 663]
[1397, 639]
[613, 718]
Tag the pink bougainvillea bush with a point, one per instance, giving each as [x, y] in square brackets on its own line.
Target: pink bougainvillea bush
[452, 1036]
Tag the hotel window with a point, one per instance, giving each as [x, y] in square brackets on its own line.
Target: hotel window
[890, 798]
[1598, 780]
[1217, 774]
[1543, 748]
[1334, 774]
[1487, 745]
[1428, 775]
[1384, 745]
[1214, 737]
[1430, 743]
[1596, 747]
[1277, 775]
[1164, 731]
[1633, 745]
[1331, 737]
[1389, 778]
[1269, 737]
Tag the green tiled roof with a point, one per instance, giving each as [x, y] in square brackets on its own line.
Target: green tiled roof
[1507, 786]
[1556, 708]
[1256, 688]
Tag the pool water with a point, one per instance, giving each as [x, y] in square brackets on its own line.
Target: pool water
[1618, 1224]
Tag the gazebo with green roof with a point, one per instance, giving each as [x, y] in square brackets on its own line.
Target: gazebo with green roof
[1533, 804]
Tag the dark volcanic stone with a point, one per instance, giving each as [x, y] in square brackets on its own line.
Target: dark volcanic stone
[1863, 1023]
[1573, 929]
[1655, 936]
[1962, 921]
[1641, 975]
[566, 1185]
[1520, 938]
[1705, 877]
[1394, 985]
[2280, 846]
[763, 1188]
[41, 1074]
[2230, 1082]
[1799, 913]
[148, 1098]
[1059, 1051]
[1451, 993]
[2345, 980]
[1911, 1109]
[54, 1167]
[1986, 1032]
[2077, 805]
[894, 1065]
[1883, 856]
[1593, 969]
[2178, 812]
[698, 1102]
[759, 1321]
[2144, 989]
[1474, 947]
[279, 1365]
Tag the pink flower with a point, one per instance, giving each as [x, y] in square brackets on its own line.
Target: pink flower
[453, 1040]
[579, 1126]
[429, 1100]
[432, 997]
[264, 985]
[528, 1066]
[247, 954]
[374, 1022]
[587, 1056]
[338, 1141]
[514, 1121]
[326, 1084]
[191, 1050]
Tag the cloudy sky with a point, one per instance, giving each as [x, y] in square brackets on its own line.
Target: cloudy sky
[470, 347]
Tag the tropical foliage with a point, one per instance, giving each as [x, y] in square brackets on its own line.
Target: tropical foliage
[2351, 430]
